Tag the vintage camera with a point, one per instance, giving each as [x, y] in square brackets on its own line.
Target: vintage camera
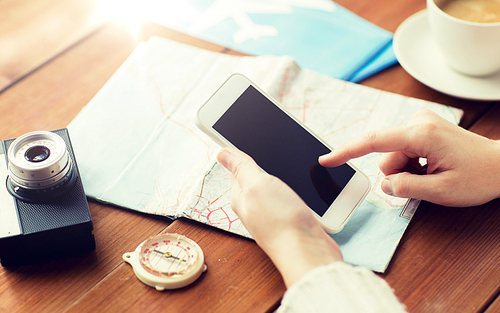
[44, 213]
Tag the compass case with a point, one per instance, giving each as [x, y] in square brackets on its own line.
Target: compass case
[31, 232]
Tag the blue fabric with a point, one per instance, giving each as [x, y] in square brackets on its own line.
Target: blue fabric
[334, 42]
[382, 61]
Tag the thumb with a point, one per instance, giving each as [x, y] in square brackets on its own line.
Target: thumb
[406, 185]
[239, 164]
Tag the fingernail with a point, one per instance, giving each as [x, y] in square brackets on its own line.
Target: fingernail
[387, 187]
[224, 157]
[323, 157]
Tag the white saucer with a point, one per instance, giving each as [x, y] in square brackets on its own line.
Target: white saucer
[418, 54]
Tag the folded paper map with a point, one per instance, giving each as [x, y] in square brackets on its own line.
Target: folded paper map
[137, 145]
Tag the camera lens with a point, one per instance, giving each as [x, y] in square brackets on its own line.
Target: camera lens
[37, 154]
[39, 166]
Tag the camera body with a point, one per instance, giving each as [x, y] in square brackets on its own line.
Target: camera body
[44, 212]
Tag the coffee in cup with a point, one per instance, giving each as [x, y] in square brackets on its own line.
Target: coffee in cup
[467, 33]
[478, 11]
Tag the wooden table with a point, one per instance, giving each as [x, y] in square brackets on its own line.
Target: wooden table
[55, 55]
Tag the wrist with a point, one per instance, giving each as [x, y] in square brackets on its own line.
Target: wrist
[295, 253]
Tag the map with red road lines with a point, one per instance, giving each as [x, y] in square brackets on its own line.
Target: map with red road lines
[137, 145]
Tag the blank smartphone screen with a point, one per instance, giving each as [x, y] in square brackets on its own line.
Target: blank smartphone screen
[283, 148]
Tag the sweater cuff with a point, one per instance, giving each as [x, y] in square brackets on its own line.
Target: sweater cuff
[340, 287]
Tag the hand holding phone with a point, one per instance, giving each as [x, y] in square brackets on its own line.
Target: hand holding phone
[279, 221]
[239, 114]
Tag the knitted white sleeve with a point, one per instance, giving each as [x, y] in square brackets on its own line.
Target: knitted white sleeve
[339, 287]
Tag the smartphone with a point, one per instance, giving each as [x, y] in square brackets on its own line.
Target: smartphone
[239, 114]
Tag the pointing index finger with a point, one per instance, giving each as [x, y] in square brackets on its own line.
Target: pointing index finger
[383, 140]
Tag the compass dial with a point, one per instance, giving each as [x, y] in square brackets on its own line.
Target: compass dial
[167, 261]
[168, 255]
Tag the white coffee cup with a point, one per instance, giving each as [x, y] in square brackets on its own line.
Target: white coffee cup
[470, 48]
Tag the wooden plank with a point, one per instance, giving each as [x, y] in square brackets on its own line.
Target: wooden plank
[489, 124]
[494, 307]
[240, 278]
[149, 29]
[52, 286]
[52, 96]
[448, 260]
[397, 80]
[386, 14]
[34, 31]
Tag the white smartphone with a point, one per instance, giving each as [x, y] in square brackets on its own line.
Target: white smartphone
[239, 114]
